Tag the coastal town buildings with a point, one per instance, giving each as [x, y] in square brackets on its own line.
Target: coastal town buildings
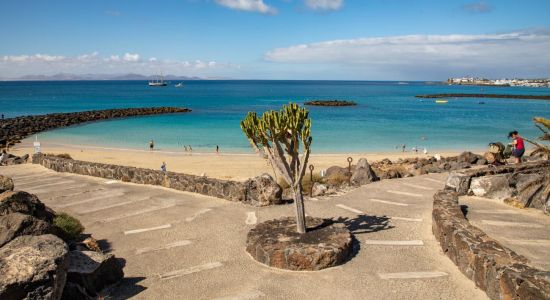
[499, 82]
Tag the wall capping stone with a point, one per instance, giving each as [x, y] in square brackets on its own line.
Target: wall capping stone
[494, 268]
[246, 192]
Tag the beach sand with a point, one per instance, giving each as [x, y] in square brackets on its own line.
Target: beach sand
[223, 166]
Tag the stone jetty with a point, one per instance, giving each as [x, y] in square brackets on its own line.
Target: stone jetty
[497, 96]
[330, 103]
[13, 130]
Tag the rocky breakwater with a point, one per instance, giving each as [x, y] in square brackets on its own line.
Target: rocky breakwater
[13, 130]
[258, 191]
[494, 268]
[330, 103]
[39, 259]
[523, 185]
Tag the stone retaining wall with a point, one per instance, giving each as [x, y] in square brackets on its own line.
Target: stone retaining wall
[13, 130]
[259, 191]
[460, 181]
[497, 270]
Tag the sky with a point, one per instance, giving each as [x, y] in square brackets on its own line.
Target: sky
[278, 39]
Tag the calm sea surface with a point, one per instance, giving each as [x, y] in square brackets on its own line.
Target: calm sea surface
[388, 114]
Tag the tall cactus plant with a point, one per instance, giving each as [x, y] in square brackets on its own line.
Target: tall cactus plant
[278, 135]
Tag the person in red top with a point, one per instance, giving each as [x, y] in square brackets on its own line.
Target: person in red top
[519, 146]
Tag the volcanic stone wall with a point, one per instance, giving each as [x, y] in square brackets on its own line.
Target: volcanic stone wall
[460, 181]
[230, 190]
[13, 130]
[497, 270]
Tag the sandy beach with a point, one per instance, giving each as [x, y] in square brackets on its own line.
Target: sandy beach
[223, 166]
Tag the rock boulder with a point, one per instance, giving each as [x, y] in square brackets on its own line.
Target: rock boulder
[90, 272]
[25, 203]
[17, 224]
[6, 184]
[492, 186]
[363, 173]
[263, 191]
[33, 267]
[318, 189]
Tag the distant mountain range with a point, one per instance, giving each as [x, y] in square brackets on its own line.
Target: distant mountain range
[129, 76]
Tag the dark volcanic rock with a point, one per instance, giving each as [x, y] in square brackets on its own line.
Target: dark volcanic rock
[263, 191]
[468, 157]
[25, 203]
[89, 273]
[277, 244]
[17, 224]
[6, 184]
[15, 129]
[330, 103]
[33, 267]
[363, 173]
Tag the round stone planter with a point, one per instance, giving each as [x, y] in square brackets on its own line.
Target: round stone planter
[277, 244]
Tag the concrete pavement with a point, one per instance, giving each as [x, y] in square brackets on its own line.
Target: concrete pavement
[526, 231]
[180, 245]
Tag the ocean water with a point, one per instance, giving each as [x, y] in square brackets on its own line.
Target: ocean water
[387, 114]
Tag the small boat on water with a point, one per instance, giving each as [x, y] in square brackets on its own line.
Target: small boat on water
[441, 101]
[158, 82]
[179, 85]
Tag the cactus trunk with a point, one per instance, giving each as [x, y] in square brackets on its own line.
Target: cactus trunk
[300, 211]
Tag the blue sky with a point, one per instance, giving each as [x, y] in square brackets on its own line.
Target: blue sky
[278, 39]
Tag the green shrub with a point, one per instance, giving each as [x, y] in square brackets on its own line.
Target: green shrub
[337, 179]
[70, 226]
[306, 183]
[61, 155]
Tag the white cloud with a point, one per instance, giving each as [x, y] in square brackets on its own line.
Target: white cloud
[248, 5]
[130, 57]
[32, 58]
[18, 65]
[526, 52]
[324, 4]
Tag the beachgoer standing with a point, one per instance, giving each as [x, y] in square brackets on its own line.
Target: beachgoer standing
[185, 148]
[3, 157]
[163, 167]
[217, 149]
[151, 145]
[403, 148]
[519, 146]
[190, 149]
[425, 150]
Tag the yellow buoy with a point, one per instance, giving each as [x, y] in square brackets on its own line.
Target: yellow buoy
[441, 101]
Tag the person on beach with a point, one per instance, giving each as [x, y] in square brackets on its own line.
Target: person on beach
[518, 146]
[3, 157]
[217, 149]
[185, 148]
[163, 167]
[190, 149]
[403, 148]
[151, 145]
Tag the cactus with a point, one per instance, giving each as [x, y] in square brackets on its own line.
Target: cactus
[278, 136]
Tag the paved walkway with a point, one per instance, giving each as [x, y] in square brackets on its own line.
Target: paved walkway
[184, 246]
[526, 231]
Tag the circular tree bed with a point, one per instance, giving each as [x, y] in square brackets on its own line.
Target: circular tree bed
[276, 243]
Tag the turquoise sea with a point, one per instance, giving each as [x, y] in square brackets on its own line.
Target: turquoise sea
[388, 114]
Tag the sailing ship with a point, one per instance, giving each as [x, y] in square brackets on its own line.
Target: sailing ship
[158, 82]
